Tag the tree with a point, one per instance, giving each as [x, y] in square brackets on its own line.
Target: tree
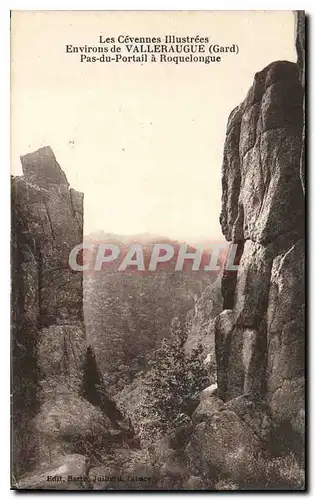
[172, 380]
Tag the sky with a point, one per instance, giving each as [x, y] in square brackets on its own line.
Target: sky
[143, 142]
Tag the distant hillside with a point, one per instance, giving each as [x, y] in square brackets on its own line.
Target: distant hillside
[128, 313]
[148, 241]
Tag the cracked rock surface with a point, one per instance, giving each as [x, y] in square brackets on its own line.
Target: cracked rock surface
[60, 405]
[260, 334]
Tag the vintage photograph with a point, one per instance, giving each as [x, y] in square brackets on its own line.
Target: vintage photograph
[157, 250]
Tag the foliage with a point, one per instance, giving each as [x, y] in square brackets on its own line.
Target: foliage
[173, 379]
[127, 314]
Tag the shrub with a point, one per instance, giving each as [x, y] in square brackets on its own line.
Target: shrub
[174, 377]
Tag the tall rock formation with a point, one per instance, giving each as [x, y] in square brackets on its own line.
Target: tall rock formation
[256, 412]
[260, 333]
[60, 409]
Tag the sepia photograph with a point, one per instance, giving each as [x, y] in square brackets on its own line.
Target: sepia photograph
[157, 250]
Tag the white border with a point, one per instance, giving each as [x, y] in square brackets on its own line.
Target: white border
[158, 5]
[5, 7]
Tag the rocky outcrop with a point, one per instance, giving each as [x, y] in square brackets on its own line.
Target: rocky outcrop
[200, 325]
[260, 340]
[68, 466]
[60, 408]
[208, 405]
[260, 335]
[223, 443]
